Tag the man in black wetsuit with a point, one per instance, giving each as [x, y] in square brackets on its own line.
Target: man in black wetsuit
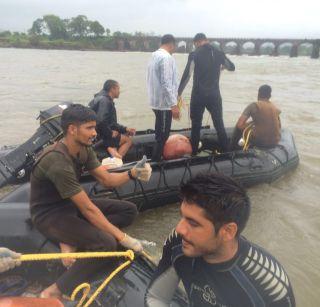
[205, 63]
[217, 266]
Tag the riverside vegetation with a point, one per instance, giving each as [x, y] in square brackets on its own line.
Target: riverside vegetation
[76, 33]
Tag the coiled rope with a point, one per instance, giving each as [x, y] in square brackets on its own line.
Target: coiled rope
[85, 287]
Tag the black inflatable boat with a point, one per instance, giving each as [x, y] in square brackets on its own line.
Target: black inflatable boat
[254, 166]
[16, 161]
[16, 232]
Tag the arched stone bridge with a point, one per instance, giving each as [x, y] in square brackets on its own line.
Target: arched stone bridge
[238, 46]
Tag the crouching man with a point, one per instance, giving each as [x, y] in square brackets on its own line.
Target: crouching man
[62, 211]
[217, 266]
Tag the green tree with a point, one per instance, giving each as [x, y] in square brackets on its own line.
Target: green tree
[96, 28]
[121, 34]
[37, 27]
[78, 26]
[56, 27]
[108, 32]
[5, 34]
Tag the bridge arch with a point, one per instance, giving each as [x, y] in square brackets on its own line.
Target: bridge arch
[305, 49]
[285, 48]
[216, 44]
[267, 48]
[182, 46]
[248, 48]
[231, 48]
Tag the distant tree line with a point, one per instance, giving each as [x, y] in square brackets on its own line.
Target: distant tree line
[76, 27]
[78, 32]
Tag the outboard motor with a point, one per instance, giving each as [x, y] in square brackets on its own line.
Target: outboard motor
[17, 164]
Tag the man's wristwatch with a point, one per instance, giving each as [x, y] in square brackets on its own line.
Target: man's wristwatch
[130, 175]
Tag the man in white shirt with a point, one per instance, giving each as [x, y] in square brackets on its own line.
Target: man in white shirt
[162, 86]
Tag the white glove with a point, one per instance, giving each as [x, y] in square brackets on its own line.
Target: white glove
[142, 170]
[8, 259]
[131, 243]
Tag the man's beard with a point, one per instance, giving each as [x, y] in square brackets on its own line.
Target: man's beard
[82, 143]
[212, 252]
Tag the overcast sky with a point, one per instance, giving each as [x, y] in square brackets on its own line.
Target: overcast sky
[184, 18]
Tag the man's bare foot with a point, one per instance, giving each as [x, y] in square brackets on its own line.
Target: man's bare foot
[51, 292]
[65, 248]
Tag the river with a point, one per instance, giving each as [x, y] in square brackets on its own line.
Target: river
[285, 215]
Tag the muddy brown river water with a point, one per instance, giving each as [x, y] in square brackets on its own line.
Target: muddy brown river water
[285, 214]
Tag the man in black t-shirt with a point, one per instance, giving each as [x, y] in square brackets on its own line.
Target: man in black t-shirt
[217, 266]
[205, 63]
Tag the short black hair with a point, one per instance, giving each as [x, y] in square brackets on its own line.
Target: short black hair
[264, 91]
[76, 114]
[109, 84]
[199, 37]
[168, 39]
[222, 198]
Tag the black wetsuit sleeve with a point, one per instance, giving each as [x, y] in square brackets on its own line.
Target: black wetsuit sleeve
[186, 73]
[104, 117]
[108, 118]
[165, 280]
[228, 64]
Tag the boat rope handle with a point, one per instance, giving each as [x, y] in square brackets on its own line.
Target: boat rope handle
[50, 118]
[85, 286]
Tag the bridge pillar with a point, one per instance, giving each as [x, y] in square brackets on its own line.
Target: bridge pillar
[315, 50]
[222, 45]
[238, 50]
[276, 49]
[294, 50]
[189, 46]
[257, 46]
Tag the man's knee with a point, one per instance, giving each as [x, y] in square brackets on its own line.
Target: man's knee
[130, 212]
[102, 242]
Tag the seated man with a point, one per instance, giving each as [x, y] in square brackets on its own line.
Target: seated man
[116, 138]
[63, 212]
[266, 126]
[217, 266]
[8, 259]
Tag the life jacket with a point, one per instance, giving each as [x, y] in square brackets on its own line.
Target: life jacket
[267, 128]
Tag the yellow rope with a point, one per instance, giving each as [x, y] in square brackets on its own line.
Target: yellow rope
[246, 136]
[55, 256]
[246, 144]
[85, 286]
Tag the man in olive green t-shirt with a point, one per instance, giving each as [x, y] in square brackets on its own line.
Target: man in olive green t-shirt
[63, 212]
